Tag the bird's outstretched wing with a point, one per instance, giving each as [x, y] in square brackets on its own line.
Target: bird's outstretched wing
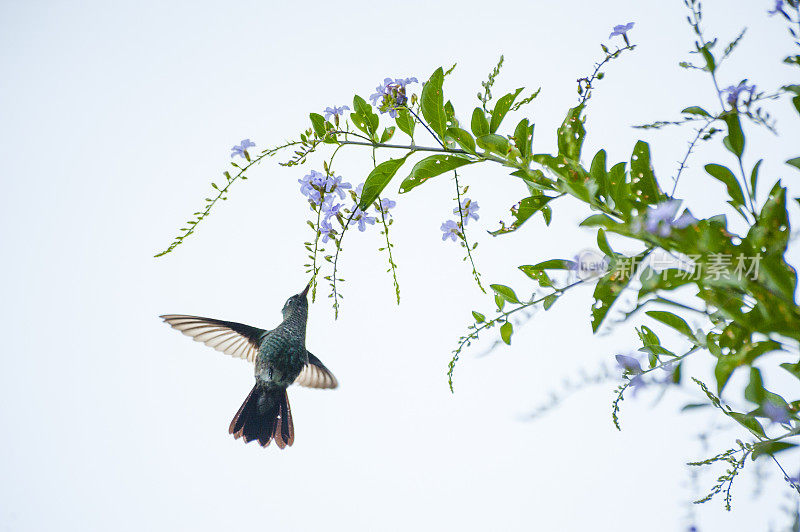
[235, 339]
[316, 375]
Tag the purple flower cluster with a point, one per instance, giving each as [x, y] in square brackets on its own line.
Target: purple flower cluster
[733, 92]
[452, 229]
[320, 189]
[240, 149]
[660, 219]
[391, 95]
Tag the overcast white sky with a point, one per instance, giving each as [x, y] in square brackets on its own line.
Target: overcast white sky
[116, 116]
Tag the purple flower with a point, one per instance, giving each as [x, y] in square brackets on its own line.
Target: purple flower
[311, 185]
[778, 9]
[450, 230]
[622, 29]
[329, 209]
[359, 189]
[335, 111]
[629, 364]
[326, 230]
[385, 205]
[240, 148]
[775, 413]
[733, 92]
[360, 217]
[391, 94]
[469, 210]
[335, 184]
[660, 219]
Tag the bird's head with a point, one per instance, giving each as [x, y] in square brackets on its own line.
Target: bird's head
[297, 304]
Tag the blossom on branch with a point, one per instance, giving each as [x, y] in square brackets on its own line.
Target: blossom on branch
[451, 230]
[240, 149]
[391, 95]
[335, 111]
[469, 209]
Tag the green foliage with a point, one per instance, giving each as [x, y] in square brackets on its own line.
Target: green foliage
[432, 105]
[431, 167]
[378, 179]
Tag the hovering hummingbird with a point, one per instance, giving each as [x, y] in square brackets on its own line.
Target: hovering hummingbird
[280, 358]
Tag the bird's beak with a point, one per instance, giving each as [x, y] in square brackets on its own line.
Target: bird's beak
[304, 293]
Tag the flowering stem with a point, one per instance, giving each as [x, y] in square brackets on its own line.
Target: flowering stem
[466, 340]
[336, 264]
[622, 388]
[201, 215]
[475, 272]
[392, 265]
[609, 56]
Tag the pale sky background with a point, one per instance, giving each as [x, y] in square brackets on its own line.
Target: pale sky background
[117, 115]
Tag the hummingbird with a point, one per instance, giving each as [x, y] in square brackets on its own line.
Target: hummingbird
[280, 358]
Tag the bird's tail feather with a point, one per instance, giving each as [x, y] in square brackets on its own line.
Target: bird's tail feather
[264, 416]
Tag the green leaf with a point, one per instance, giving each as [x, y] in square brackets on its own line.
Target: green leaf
[479, 318]
[602, 243]
[548, 301]
[710, 63]
[674, 321]
[598, 173]
[749, 422]
[694, 110]
[735, 139]
[501, 109]
[463, 138]
[388, 133]
[479, 124]
[318, 123]
[794, 369]
[431, 167]
[506, 330]
[363, 117]
[523, 137]
[493, 143]
[523, 210]
[754, 177]
[505, 292]
[643, 181]
[432, 103]
[571, 134]
[405, 122]
[794, 162]
[610, 286]
[378, 179]
[769, 448]
[552, 264]
[724, 174]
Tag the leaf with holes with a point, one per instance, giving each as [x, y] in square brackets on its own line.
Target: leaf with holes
[431, 167]
[378, 179]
